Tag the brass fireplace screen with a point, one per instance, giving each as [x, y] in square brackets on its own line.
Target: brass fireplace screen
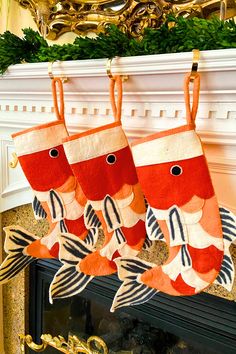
[55, 17]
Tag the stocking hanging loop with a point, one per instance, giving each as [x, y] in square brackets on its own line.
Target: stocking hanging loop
[195, 79]
[116, 106]
[191, 112]
[58, 110]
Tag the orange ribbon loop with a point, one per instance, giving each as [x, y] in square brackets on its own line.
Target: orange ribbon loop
[116, 106]
[59, 111]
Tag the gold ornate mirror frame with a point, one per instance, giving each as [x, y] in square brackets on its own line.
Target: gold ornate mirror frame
[55, 17]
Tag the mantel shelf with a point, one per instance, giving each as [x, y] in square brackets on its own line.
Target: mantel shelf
[211, 60]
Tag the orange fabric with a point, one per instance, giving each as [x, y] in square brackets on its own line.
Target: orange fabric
[68, 186]
[183, 288]
[95, 264]
[209, 223]
[111, 177]
[191, 112]
[135, 235]
[209, 276]
[205, 259]
[77, 227]
[138, 204]
[54, 251]
[124, 192]
[195, 204]
[38, 250]
[155, 278]
[164, 190]
[116, 106]
[43, 172]
[58, 110]
[79, 195]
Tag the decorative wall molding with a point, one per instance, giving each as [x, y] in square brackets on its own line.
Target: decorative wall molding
[153, 100]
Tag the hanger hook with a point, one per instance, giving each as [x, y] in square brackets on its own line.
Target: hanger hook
[108, 67]
[109, 73]
[196, 57]
[50, 74]
[63, 78]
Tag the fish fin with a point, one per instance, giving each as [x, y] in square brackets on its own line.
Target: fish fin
[91, 219]
[63, 227]
[56, 206]
[181, 263]
[16, 242]
[92, 237]
[186, 259]
[72, 249]
[177, 228]
[116, 243]
[228, 221]
[68, 281]
[226, 275]
[39, 212]
[111, 214]
[132, 291]
[147, 245]
[152, 227]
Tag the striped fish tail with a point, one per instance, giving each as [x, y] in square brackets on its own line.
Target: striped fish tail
[228, 221]
[132, 291]
[16, 243]
[69, 280]
[227, 272]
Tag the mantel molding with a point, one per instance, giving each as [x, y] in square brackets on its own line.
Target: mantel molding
[153, 100]
[213, 60]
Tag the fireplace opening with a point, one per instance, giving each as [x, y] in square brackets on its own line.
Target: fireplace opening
[202, 324]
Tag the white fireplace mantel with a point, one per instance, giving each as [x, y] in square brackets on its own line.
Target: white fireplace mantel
[152, 101]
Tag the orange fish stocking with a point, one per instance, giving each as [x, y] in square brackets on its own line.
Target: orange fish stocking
[58, 196]
[102, 162]
[183, 212]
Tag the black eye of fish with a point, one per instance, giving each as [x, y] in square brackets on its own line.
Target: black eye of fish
[176, 170]
[53, 153]
[111, 159]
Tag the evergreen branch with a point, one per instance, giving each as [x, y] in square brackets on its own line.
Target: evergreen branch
[185, 35]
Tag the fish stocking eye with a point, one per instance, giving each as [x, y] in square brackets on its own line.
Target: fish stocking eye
[111, 159]
[176, 170]
[53, 153]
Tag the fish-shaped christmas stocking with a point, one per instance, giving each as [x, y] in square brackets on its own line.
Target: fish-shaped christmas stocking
[102, 162]
[183, 212]
[58, 196]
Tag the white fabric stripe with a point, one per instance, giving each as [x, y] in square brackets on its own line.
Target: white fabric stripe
[179, 146]
[40, 139]
[94, 145]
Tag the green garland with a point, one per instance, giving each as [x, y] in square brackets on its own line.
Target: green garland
[185, 35]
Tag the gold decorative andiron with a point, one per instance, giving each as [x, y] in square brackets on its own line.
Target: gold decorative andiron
[74, 345]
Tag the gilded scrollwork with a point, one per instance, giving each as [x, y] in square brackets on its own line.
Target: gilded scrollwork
[55, 17]
[74, 345]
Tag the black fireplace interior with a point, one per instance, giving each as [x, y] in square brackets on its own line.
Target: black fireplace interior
[165, 325]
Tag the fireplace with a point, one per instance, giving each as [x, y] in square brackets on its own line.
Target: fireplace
[167, 325]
